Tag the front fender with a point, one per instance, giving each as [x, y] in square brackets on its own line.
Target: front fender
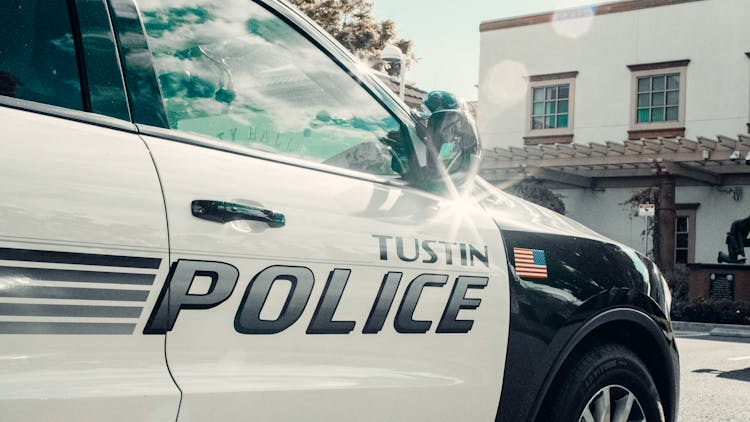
[589, 284]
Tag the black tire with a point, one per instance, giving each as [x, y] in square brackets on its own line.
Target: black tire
[610, 367]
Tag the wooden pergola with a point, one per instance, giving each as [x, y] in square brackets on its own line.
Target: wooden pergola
[663, 161]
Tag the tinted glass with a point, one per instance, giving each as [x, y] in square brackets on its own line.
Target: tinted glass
[37, 53]
[234, 71]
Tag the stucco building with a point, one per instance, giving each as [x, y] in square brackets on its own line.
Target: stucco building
[600, 103]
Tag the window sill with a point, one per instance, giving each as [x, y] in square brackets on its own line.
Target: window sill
[651, 133]
[541, 139]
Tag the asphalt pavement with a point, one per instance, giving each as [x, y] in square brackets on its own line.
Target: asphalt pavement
[715, 377]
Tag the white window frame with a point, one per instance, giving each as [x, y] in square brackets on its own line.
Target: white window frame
[543, 82]
[680, 122]
[690, 211]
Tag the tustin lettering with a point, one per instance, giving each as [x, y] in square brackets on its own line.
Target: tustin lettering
[431, 251]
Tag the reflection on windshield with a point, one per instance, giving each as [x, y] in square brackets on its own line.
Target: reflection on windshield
[236, 72]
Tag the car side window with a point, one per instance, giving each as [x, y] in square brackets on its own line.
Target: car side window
[234, 71]
[38, 54]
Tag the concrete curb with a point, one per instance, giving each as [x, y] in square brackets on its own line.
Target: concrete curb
[730, 332]
[723, 330]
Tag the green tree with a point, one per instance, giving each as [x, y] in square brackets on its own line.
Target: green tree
[534, 191]
[353, 24]
[648, 195]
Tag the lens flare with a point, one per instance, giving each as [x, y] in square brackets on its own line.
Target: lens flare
[573, 23]
[506, 83]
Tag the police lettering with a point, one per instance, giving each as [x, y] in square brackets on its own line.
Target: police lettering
[176, 296]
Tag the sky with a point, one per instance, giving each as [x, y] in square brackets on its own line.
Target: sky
[446, 35]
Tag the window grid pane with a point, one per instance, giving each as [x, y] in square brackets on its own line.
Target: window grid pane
[550, 107]
[682, 239]
[653, 94]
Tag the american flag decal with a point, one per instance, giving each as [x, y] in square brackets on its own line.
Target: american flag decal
[530, 263]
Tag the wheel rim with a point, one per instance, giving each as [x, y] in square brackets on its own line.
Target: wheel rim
[613, 403]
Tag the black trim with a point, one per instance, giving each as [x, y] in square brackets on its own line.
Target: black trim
[68, 114]
[80, 59]
[30, 255]
[144, 94]
[105, 83]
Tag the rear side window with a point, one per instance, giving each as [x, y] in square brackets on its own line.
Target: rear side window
[234, 71]
[38, 54]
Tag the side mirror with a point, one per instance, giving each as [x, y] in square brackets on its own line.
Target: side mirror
[453, 147]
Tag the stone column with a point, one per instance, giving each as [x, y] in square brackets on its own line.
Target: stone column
[665, 219]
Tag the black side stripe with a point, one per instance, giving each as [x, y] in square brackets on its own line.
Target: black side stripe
[14, 327]
[45, 292]
[77, 276]
[30, 255]
[85, 311]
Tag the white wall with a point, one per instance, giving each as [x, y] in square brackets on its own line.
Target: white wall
[713, 34]
[602, 212]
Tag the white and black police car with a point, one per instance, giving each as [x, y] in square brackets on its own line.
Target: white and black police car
[212, 212]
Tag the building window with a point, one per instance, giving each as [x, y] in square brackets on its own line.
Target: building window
[682, 237]
[550, 108]
[658, 100]
[684, 251]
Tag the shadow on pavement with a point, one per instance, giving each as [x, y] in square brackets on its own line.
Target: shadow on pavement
[737, 374]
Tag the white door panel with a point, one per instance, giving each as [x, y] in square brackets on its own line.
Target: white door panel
[332, 222]
[83, 255]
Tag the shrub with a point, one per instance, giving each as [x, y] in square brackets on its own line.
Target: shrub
[711, 311]
[679, 282]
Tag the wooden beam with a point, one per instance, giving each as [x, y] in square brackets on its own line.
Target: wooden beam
[676, 169]
[549, 150]
[519, 153]
[730, 168]
[670, 145]
[502, 152]
[708, 143]
[644, 158]
[633, 147]
[688, 144]
[665, 218]
[583, 149]
[615, 147]
[567, 149]
[601, 149]
[559, 177]
[652, 145]
[617, 173]
[728, 142]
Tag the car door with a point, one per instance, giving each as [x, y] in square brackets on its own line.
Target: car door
[83, 237]
[308, 280]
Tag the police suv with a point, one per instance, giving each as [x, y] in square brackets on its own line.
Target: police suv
[211, 212]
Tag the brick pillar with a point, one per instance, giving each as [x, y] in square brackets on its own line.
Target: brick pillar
[665, 218]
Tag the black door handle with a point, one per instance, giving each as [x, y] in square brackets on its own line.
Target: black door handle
[224, 212]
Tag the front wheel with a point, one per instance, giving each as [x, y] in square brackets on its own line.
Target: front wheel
[608, 383]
